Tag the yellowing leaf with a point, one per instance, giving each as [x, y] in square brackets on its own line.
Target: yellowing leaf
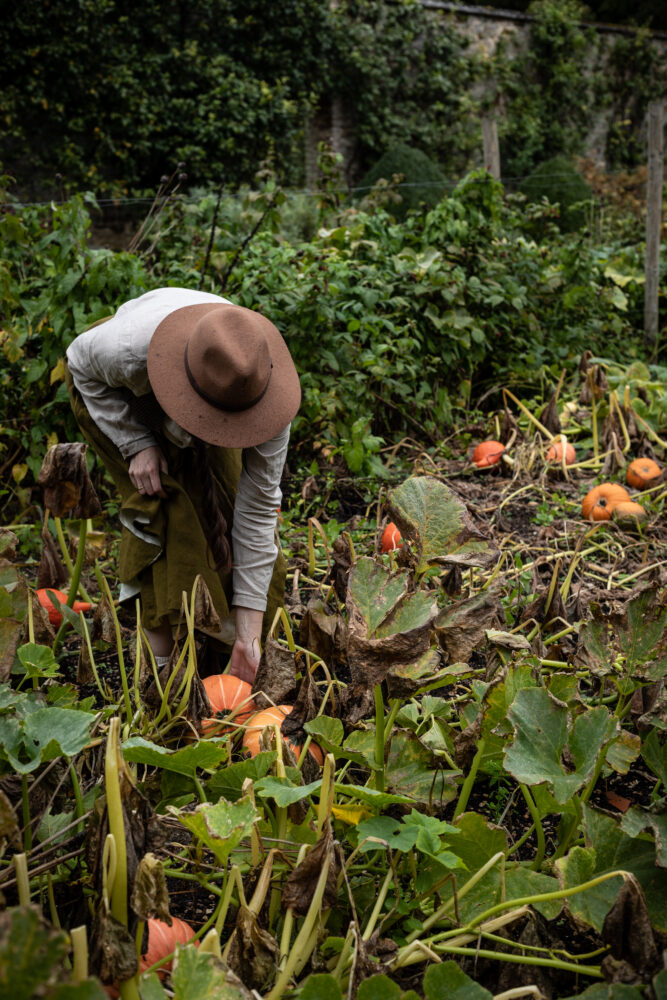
[19, 472]
[622, 279]
[58, 372]
[51, 439]
[351, 814]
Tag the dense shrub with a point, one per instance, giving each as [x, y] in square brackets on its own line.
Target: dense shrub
[559, 182]
[389, 324]
[420, 179]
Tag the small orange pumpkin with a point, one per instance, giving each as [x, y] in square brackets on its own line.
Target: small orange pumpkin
[487, 453]
[275, 715]
[162, 940]
[599, 502]
[642, 473]
[391, 538]
[629, 514]
[55, 616]
[226, 693]
[555, 453]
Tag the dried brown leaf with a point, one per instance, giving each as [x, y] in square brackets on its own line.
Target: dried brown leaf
[275, 680]
[300, 886]
[68, 491]
[628, 931]
[254, 953]
[51, 571]
[149, 893]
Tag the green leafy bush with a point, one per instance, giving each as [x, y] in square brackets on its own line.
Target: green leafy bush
[421, 180]
[559, 182]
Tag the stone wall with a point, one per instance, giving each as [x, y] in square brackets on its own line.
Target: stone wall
[485, 28]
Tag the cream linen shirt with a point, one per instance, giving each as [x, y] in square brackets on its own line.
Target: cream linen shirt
[112, 357]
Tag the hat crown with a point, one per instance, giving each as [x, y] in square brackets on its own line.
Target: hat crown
[227, 359]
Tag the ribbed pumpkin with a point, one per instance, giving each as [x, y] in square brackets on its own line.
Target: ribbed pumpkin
[487, 453]
[275, 715]
[555, 453]
[599, 502]
[162, 940]
[391, 538]
[642, 473]
[226, 693]
[629, 514]
[55, 616]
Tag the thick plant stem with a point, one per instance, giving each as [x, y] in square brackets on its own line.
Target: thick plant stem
[74, 582]
[118, 885]
[27, 822]
[22, 880]
[379, 738]
[78, 797]
[305, 936]
[535, 816]
[79, 939]
[467, 786]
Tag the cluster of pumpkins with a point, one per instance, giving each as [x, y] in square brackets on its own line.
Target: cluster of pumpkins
[229, 694]
[602, 502]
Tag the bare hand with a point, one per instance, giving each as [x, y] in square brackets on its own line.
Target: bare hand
[146, 469]
[246, 651]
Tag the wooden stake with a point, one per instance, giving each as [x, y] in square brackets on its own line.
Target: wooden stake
[491, 147]
[653, 219]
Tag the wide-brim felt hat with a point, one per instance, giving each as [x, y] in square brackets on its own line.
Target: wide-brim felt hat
[224, 374]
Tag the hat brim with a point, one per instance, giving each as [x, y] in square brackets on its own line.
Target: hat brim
[180, 401]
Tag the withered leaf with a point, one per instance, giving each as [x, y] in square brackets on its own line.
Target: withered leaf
[342, 561]
[356, 703]
[324, 633]
[205, 616]
[549, 416]
[44, 633]
[51, 572]
[628, 931]
[305, 707]
[275, 680]
[254, 952]
[103, 627]
[9, 827]
[113, 952]
[64, 479]
[300, 886]
[149, 893]
[460, 627]
[8, 544]
[84, 669]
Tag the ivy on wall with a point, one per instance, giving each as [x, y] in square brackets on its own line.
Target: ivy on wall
[111, 94]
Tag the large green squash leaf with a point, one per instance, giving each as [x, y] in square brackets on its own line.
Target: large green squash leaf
[222, 826]
[438, 524]
[551, 747]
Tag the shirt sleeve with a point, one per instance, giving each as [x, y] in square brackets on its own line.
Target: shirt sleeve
[104, 370]
[255, 514]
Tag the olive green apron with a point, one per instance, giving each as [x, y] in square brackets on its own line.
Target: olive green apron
[167, 565]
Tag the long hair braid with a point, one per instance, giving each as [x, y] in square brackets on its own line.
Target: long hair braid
[215, 523]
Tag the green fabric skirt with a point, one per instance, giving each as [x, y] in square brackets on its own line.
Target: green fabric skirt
[166, 566]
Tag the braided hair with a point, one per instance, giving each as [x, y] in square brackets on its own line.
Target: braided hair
[215, 523]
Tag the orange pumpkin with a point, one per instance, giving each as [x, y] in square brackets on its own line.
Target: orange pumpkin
[55, 616]
[162, 940]
[629, 514]
[487, 453]
[275, 715]
[226, 693]
[642, 473]
[391, 538]
[599, 502]
[555, 453]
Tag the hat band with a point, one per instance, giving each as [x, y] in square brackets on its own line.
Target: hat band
[229, 407]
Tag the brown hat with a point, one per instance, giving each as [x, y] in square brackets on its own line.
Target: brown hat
[224, 374]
